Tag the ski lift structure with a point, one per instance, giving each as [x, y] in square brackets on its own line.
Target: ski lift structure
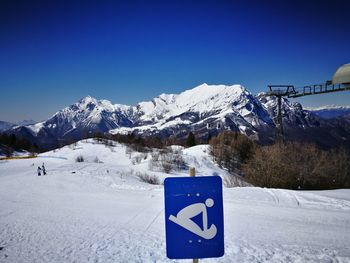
[339, 82]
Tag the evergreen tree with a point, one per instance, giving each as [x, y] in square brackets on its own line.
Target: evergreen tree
[191, 140]
[8, 151]
[209, 138]
[13, 140]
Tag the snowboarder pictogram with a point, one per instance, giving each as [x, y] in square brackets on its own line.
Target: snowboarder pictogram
[183, 219]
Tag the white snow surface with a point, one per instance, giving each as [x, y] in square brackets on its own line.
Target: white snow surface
[99, 211]
[35, 128]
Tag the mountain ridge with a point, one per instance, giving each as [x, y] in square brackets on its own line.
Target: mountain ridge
[204, 109]
[330, 111]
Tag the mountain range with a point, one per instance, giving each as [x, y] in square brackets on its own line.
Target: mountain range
[205, 110]
[330, 111]
[4, 125]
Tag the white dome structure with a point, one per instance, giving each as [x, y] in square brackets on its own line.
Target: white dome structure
[342, 75]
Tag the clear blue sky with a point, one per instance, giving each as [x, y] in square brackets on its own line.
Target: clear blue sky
[52, 53]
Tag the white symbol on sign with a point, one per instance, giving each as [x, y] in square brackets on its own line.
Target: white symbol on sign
[183, 218]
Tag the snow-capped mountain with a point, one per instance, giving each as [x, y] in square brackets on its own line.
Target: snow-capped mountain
[4, 125]
[204, 99]
[201, 108]
[330, 111]
[205, 110]
[26, 122]
[87, 115]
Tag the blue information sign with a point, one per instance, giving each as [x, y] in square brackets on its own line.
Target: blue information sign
[194, 218]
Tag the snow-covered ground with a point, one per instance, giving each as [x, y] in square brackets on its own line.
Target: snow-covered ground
[99, 211]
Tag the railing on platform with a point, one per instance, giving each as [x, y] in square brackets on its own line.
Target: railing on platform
[317, 89]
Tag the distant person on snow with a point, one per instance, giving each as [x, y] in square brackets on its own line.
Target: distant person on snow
[43, 168]
[39, 171]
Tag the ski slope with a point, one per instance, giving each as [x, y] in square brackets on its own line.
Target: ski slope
[102, 212]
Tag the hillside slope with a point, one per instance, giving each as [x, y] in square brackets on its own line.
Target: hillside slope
[101, 212]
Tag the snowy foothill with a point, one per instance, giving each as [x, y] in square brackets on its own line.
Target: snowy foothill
[100, 209]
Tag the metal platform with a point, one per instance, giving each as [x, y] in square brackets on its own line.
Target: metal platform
[317, 89]
[292, 92]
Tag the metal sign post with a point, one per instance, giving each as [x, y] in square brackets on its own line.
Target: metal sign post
[193, 174]
[194, 217]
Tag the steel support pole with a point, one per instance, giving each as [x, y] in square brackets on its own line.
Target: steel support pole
[193, 174]
[279, 118]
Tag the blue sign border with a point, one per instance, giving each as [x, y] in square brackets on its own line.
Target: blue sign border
[180, 192]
